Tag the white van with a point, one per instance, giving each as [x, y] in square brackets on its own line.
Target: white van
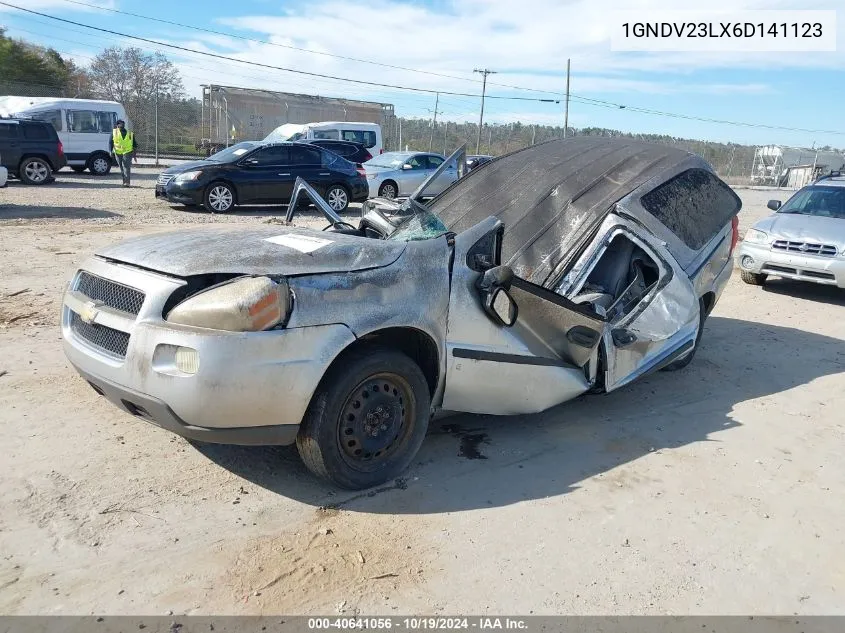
[84, 126]
[368, 134]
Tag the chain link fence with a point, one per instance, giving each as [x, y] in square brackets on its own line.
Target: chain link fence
[167, 129]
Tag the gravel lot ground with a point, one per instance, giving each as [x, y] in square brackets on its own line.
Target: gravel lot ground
[716, 489]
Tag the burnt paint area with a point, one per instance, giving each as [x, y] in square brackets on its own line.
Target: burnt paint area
[471, 440]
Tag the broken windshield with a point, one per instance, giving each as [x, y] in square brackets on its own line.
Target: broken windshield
[419, 224]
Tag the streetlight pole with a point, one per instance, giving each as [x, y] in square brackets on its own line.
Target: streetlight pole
[484, 74]
[156, 122]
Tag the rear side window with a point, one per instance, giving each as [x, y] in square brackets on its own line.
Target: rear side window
[36, 132]
[8, 131]
[305, 156]
[366, 138]
[54, 117]
[695, 205]
[329, 134]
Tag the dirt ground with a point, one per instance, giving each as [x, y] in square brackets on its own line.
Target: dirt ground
[717, 489]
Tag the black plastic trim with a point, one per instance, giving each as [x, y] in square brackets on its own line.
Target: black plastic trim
[515, 359]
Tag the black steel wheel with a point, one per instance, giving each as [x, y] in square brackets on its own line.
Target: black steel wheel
[367, 419]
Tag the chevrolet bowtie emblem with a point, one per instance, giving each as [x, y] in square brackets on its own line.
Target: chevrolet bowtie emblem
[89, 312]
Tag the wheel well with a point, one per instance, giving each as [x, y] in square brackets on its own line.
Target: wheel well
[414, 343]
[338, 184]
[94, 155]
[392, 182]
[709, 301]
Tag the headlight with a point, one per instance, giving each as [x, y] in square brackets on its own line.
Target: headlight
[188, 175]
[756, 237]
[247, 304]
[371, 176]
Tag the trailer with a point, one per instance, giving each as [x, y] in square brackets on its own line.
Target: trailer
[231, 114]
[773, 164]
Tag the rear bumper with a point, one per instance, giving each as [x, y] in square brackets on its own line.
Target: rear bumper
[761, 259]
[159, 413]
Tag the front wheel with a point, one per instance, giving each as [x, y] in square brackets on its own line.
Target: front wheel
[338, 198]
[754, 279]
[35, 171]
[219, 198]
[367, 419]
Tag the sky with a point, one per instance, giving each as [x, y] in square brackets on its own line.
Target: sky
[434, 45]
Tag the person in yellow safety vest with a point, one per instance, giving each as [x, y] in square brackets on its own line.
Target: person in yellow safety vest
[123, 146]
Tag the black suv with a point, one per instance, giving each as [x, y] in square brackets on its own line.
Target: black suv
[30, 150]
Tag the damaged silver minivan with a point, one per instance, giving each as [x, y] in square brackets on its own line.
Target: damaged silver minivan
[572, 266]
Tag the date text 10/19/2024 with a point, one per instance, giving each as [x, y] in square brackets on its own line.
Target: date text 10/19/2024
[417, 624]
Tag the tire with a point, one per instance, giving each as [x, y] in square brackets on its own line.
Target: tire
[35, 171]
[686, 360]
[388, 190]
[338, 198]
[753, 279]
[219, 197]
[340, 441]
[78, 168]
[99, 164]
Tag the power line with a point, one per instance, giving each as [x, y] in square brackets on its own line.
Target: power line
[299, 49]
[581, 99]
[269, 66]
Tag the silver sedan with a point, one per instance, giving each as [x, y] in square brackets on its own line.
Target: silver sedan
[398, 174]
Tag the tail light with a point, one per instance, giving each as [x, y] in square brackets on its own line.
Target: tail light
[61, 149]
[360, 169]
[369, 156]
[381, 151]
[734, 233]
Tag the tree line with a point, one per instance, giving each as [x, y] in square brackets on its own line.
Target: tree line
[148, 82]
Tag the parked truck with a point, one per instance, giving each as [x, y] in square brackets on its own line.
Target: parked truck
[231, 114]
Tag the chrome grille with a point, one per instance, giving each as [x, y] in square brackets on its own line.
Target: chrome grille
[110, 293]
[102, 337]
[163, 179]
[805, 248]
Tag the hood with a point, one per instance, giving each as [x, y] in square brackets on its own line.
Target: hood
[805, 228]
[194, 164]
[253, 251]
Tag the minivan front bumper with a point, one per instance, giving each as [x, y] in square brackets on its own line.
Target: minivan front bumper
[247, 387]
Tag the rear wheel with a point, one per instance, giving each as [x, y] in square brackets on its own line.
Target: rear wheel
[99, 164]
[754, 279]
[219, 197]
[367, 419]
[35, 171]
[388, 189]
[338, 198]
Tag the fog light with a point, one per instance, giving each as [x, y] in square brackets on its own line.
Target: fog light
[187, 360]
[747, 261]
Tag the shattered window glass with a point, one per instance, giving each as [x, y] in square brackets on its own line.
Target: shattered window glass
[695, 205]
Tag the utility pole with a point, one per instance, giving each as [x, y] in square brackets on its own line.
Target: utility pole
[156, 163]
[445, 136]
[566, 110]
[484, 74]
[400, 135]
[433, 122]
[489, 141]
[533, 133]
